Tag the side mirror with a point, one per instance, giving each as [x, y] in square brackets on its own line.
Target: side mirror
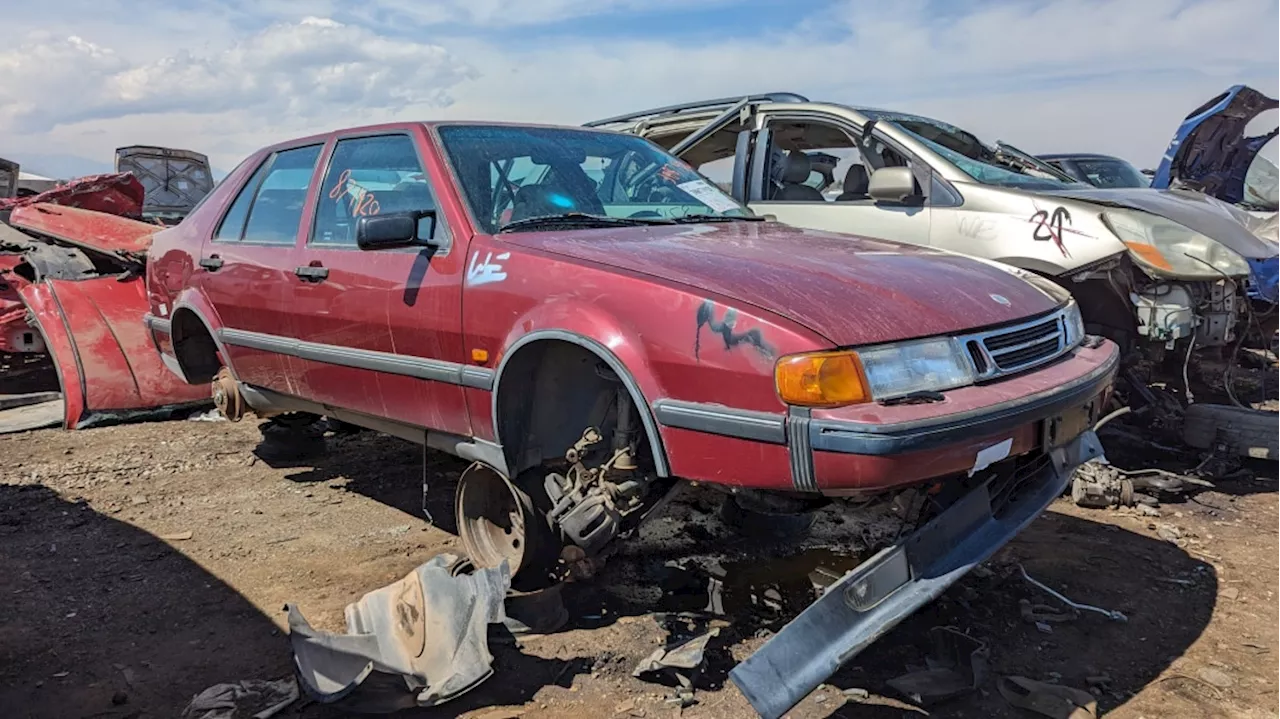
[396, 229]
[893, 184]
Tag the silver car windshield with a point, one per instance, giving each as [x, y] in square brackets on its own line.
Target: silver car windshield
[969, 154]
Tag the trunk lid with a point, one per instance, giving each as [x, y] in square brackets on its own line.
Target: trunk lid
[850, 290]
[174, 180]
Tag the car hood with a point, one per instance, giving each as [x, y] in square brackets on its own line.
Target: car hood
[1209, 152]
[1194, 210]
[850, 290]
[173, 180]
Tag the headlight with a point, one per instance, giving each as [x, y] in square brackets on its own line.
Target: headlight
[1075, 324]
[833, 379]
[1166, 248]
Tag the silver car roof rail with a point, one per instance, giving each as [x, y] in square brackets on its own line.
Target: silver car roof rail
[699, 105]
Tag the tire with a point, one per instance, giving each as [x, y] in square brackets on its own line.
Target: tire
[754, 523]
[1251, 432]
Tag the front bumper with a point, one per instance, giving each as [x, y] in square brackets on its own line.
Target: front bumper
[871, 448]
[887, 588]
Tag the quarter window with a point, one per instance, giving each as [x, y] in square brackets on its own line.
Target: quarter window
[369, 176]
[232, 225]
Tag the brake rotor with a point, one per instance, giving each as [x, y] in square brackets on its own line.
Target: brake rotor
[226, 396]
[493, 515]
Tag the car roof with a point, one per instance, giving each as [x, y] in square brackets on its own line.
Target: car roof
[406, 125]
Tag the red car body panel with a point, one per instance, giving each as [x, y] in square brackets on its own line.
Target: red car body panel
[89, 229]
[107, 364]
[649, 300]
[742, 262]
[114, 194]
[13, 312]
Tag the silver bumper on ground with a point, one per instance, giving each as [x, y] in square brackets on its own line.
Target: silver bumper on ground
[887, 588]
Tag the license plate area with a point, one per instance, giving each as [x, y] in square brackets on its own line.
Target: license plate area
[1061, 428]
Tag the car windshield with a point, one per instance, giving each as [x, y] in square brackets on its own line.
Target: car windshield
[969, 154]
[512, 174]
[1111, 172]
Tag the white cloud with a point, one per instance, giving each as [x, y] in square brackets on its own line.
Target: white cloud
[1111, 76]
[285, 73]
[498, 13]
[1066, 75]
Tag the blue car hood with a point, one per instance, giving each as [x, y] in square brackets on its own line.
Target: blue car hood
[1209, 152]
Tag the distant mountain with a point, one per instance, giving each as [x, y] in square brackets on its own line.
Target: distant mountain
[57, 166]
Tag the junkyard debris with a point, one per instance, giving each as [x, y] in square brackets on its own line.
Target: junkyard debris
[1111, 614]
[387, 648]
[1099, 484]
[682, 662]
[234, 701]
[957, 664]
[1247, 432]
[1216, 677]
[1051, 700]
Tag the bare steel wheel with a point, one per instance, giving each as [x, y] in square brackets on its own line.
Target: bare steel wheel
[226, 396]
[497, 521]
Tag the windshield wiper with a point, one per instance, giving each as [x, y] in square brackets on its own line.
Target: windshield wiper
[581, 219]
[693, 219]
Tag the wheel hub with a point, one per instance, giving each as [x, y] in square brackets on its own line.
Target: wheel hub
[226, 396]
[492, 518]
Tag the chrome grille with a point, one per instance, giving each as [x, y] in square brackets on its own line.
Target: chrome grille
[1019, 347]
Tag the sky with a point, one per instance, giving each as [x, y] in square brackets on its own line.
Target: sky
[225, 77]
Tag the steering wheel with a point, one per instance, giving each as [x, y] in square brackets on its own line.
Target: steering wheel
[645, 213]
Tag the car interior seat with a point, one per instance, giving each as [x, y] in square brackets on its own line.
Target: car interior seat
[547, 200]
[795, 171]
[856, 183]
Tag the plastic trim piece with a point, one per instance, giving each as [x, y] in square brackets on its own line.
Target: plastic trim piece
[721, 420]
[420, 367]
[876, 595]
[800, 450]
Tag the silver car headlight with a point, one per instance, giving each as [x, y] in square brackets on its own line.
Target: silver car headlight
[930, 365]
[1167, 249]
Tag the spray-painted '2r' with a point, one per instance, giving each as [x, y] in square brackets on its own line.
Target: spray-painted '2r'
[593, 322]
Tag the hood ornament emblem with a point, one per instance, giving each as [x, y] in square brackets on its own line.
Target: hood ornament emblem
[1001, 299]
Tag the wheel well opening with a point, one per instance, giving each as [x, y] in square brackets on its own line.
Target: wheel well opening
[550, 391]
[194, 347]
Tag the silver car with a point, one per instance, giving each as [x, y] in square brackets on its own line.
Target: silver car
[1150, 268]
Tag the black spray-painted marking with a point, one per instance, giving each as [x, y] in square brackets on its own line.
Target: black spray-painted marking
[724, 328]
[1049, 227]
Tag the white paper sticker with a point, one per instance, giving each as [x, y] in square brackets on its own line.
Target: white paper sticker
[709, 195]
[991, 455]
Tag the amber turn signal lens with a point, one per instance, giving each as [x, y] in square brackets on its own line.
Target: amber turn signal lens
[822, 379]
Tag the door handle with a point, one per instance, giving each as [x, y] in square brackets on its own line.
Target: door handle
[212, 263]
[311, 273]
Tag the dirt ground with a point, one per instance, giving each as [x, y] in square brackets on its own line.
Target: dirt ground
[144, 563]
